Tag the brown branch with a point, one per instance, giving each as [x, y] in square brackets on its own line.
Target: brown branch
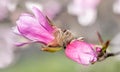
[112, 54]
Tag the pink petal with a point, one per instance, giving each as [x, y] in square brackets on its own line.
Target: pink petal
[24, 43]
[42, 19]
[21, 44]
[15, 30]
[31, 29]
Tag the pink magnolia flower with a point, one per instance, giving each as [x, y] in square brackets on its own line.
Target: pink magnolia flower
[85, 10]
[82, 52]
[35, 28]
[116, 7]
[3, 9]
[80, 6]
[6, 6]
[7, 48]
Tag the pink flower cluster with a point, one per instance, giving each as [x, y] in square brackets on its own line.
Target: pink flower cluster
[38, 28]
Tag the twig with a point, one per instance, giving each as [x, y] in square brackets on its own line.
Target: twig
[100, 38]
[112, 54]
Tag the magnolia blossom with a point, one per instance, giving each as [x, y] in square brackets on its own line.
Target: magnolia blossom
[116, 7]
[7, 48]
[3, 9]
[85, 10]
[82, 52]
[6, 6]
[36, 28]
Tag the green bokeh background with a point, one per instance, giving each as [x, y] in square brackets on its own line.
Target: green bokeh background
[34, 60]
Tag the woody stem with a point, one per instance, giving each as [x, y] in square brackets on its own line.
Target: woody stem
[112, 54]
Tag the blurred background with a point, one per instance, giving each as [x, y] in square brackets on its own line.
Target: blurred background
[81, 17]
